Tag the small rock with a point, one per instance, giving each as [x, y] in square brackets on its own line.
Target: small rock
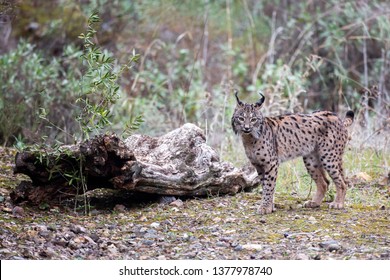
[143, 229]
[151, 234]
[59, 241]
[123, 248]
[44, 233]
[220, 244]
[18, 212]
[317, 257]
[94, 237]
[315, 249]
[147, 242]
[155, 225]
[151, 231]
[79, 239]
[256, 247]
[334, 247]
[268, 252]
[330, 245]
[89, 239]
[27, 253]
[230, 220]
[113, 226]
[77, 229]
[301, 256]
[142, 218]
[2, 199]
[41, 228]
[112, 249]
[382, 207]
[263, 221]
[312, 220]
[325, 244]
[166, 199]
[177, 203]
[48, 253]
[4, 251]
[238, 248]
[186, 237]
[74, 245]
[161, 258]
[17, 258]
[120, 208]
[226, 239]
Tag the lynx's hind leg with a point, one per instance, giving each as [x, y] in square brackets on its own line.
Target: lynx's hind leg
[317, 173]
[335, 171]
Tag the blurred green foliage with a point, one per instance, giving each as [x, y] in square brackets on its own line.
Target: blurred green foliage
[304, 55]
[30, 81]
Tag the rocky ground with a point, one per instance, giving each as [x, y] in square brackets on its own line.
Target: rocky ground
[225, 227]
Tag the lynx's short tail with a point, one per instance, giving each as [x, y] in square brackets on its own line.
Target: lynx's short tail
[348, 118]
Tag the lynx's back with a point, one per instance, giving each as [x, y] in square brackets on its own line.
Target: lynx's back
[301, 134]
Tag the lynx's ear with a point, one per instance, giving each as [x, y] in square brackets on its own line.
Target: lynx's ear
[261, 100]
[239, 102]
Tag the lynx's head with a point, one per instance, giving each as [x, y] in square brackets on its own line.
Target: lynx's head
[247, 118]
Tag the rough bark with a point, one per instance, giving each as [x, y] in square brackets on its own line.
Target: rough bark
[179, 163]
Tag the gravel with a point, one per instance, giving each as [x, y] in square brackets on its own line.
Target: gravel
[220, 227]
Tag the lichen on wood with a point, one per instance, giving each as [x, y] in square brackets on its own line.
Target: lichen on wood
[179, 163]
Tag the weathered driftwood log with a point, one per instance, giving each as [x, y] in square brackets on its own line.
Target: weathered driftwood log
[57, 174]
[179, 163]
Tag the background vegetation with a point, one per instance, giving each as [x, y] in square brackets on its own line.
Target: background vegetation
[177, 61]
[304, 56]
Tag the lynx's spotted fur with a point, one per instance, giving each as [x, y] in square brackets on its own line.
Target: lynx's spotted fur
[320, 138]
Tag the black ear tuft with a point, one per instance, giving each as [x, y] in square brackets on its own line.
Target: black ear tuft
[239, 102]
[261, 100]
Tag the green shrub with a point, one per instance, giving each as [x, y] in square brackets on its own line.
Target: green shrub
[62, 99]
[28, 82]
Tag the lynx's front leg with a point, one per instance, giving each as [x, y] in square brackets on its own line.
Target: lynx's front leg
[269, 173]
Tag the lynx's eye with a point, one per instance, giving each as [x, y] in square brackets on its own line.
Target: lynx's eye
[253, 120]
[241, 119]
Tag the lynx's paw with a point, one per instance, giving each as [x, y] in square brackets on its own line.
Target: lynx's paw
[265, 210]
[311, 204]
[336, 205]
